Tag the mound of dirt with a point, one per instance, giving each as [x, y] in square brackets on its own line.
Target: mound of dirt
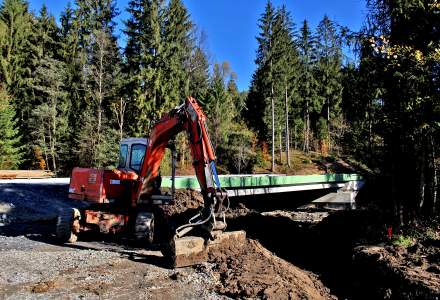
[250, 270]
[401, 273]
[184, 199]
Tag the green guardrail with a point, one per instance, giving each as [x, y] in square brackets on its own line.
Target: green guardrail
[251, 181]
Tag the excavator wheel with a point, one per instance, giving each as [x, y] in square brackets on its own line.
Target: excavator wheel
[68, 225]
[144, 227]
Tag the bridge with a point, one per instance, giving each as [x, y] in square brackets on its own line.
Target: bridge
[342, 188]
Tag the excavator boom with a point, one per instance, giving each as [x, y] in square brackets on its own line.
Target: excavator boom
[189, 117]
[126, 199]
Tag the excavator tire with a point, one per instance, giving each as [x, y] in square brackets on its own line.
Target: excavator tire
[68, 225]
[144, 227]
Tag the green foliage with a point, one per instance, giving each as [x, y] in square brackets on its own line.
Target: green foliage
[11, 151]
[198, 74]
[48, 122]
[219, 105]
[400, 56]
[96, 149]
[237, 152]
[321, 129]
[403, 241]
[273, 87]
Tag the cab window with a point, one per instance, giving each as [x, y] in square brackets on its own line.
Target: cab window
[123, 152]
[137, 156]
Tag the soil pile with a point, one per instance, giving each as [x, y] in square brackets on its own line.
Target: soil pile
[401, 273]
[183, 200]
[250, 270]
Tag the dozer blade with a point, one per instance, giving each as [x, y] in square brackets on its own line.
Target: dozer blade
[192, 250]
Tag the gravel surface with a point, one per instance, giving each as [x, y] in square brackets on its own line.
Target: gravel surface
[31, 269]
[34, 266]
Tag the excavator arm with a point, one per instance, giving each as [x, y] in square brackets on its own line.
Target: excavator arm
[188, 117]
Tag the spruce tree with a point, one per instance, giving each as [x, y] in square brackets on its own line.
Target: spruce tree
[11, 151]
[18, 59]
[150, 91]
[100, 61]
[286, 65]
[307, 85]
[261, 103]
[219, 105]
[329, 76]
[198, 74]
[177, 53]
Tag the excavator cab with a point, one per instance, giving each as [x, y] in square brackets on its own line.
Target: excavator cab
[131, 154]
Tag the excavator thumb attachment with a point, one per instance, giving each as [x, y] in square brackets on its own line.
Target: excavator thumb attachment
[192, 250]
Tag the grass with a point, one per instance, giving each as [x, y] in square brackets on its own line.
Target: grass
[404, 241]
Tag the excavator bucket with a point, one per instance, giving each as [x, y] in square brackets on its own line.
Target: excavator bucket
[192, 250]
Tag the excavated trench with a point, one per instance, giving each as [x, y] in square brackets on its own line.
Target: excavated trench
[334, 246]
[319, 242]
[310, 243]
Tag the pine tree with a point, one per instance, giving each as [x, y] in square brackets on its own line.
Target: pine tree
[46, 35]
[261, 99]
[328, 75]
[11, 152]
[16, 24]
[151, 90]
[131, 67]
[219, 105]
[100, 61]
[177, 53]
[308, 84]
[49, 121]
[18, 59]
[198, 74]
[286, 65]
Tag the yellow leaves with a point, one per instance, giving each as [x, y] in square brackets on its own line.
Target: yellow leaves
[435, 6]
[418, 55]
[434, 55]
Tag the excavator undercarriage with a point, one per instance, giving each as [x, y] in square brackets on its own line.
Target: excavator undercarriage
[127, 200]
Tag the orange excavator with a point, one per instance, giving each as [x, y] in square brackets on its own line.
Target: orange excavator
[126, 199]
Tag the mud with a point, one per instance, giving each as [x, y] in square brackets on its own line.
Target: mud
[400, 273]
[249, 270]
[184, 200]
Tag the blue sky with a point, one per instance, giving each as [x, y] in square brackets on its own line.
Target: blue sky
[231, 25]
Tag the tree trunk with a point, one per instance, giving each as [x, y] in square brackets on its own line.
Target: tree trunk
[100, 97]
[306, 146]
[54, 130]
[280, 146]
[273, 128]
[428, 206]
[328, 126]
[287, 129]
